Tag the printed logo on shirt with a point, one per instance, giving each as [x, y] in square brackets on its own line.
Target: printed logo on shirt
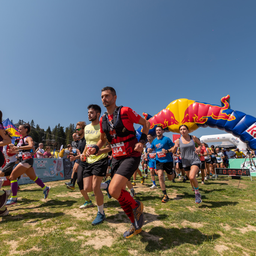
[134, 113]
[159, 145]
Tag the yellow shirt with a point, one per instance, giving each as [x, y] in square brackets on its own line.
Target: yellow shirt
[239, 154]
[92, 136]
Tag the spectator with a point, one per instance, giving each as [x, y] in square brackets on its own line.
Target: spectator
[66, 152]
[40, 151]
[230, 154]
[239, 154]
[47, 153]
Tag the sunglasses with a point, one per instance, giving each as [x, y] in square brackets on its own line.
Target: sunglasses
[78, 129]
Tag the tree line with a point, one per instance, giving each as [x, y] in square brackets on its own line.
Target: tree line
[54, 138]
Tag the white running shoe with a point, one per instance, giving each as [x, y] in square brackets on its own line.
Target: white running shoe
[153, 187]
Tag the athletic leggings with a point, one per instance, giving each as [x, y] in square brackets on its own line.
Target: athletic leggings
[80, 177]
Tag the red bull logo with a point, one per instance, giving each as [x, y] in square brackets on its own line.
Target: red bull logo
[164, 118]
[200, 112]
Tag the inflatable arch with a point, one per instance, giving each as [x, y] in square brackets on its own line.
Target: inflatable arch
[196, 114]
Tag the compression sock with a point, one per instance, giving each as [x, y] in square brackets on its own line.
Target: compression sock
[196, 190]
[128, 204]
[154, 182]
[164, 192]
[100, 209]
[39, 182]
[74, 179]
[14, 188]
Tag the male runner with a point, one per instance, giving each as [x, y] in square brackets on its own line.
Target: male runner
[151, 160]
[116, 126]
[164, 162]
[74, 144]
[97, 165]
[80, 165]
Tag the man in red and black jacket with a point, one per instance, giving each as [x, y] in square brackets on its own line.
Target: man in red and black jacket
[116, 126]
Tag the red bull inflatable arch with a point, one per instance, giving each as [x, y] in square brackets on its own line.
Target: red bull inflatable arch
[195, 114]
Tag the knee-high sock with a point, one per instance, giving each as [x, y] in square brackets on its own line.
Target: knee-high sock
[39, 182]
[128, 204]
[14, 188]
[73, 180]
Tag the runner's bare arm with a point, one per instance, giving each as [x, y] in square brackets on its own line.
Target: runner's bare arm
[146, 125]
[102, 141]
[29, 146]
[174, 148]
[6, 139]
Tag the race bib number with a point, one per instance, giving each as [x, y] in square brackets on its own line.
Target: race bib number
[176, 159]
[118, 149]
[26, 155]
[213, 156]
[152, 155]
[161, 154]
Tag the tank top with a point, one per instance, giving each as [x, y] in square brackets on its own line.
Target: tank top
[188, 154]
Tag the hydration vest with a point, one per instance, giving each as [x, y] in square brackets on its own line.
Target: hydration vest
[117, 125]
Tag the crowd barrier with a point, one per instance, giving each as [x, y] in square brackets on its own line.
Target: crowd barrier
[49, 169]
[247, 163]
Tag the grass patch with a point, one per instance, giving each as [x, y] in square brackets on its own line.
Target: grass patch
[224, 224]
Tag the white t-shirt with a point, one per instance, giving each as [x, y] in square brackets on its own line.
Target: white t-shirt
[219, 157]
[230, 154]
[41, 151]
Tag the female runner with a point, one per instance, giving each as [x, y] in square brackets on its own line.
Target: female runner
[189, 157]
[4, 140]
[26, 166]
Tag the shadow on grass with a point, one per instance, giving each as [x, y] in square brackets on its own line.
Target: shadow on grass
[160, 238]
[57, 203]
[212, 190]
[215, 204]
[33, 217]
[121, 217]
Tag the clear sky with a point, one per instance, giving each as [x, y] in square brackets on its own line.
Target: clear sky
[55, 56]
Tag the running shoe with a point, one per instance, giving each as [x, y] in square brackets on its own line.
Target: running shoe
[87, 204]
[108, 182]
[99, 218]
[153, 187]
[205, 178]
[180, 178]
[173, 181]
[198, 198]
[138, 215]
[11, 201]
[68, 183]
[142, 180]
[133, 183]
[4, 212]
[46, 192]
[165, 199]
[202, 182]
[184, 179]
[4, 197]
[132, 192]
[70, 186]
[132, 231]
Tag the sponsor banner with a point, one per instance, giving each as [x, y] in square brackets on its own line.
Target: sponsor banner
[46, 169]
[241, 163]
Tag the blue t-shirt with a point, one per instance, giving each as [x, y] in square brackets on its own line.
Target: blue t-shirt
[158, 145]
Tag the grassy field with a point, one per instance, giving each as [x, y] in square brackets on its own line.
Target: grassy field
[224, 224]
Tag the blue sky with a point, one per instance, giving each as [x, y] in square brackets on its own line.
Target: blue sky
[55, 56]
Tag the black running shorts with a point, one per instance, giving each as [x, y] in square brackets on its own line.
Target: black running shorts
[98, 168]
[187, 169]
[202, 165]
[168, 167]
[7, 170]
[125, 167]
